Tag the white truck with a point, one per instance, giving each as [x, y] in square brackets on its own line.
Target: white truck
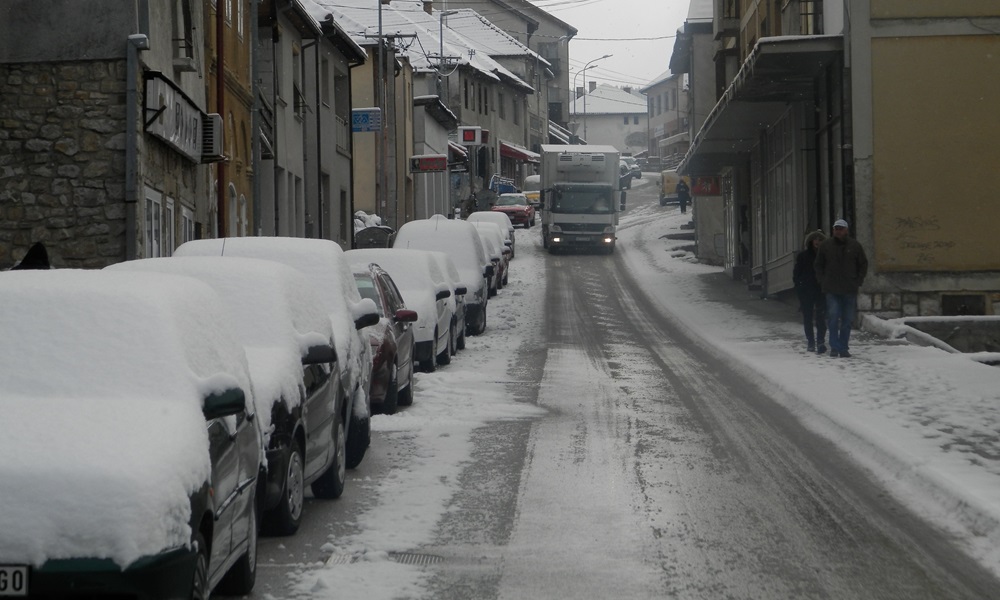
[580, 197]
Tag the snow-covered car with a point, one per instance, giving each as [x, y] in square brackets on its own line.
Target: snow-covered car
[391, 339]
[456, 302]
[633, 166]
[493, 233]
[289, 345]
[324, 265]
[460, 241]
[425, 290]
[501, 219]
[130, 442]
[517, 207]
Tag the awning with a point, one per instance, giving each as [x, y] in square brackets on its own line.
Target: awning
[458, 150]
[780, 70]
[518, 153]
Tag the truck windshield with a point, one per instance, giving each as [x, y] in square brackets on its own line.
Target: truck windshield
[575, 201]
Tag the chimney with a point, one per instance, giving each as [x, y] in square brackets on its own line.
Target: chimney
[579, 91]
[429, 6]
[593, 86]
[627, 89]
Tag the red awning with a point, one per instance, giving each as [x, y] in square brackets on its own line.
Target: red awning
[518, 153]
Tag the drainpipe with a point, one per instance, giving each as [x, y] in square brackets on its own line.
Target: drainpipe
[220, 107]
[255, 116]
[319, 140]
[136, 42]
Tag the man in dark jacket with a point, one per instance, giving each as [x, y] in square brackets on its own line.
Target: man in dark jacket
[683, 194]
[841, 266]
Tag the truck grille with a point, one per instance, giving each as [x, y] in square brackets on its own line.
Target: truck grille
[581, 227]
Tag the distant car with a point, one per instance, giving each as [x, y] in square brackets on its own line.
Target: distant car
[288, 339]
[132, 452]
[633, 166]
[425, 290]
[460, 241]
[496, 236]
[501, 219]
[457, 300]
[517, 207]
[493, 252]
[391, 339]
[324, 265]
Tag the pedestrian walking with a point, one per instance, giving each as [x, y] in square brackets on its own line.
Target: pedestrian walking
[812, 302]
[841, 267]
[683, 194]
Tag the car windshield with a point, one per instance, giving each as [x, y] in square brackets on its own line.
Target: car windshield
[582, 202]
[511, 200]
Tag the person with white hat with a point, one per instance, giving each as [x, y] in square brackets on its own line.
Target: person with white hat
[841, 267]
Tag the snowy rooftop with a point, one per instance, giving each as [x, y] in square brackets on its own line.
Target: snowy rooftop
[610, 100]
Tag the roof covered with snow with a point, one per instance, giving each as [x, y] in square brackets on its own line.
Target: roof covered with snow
[610, 100]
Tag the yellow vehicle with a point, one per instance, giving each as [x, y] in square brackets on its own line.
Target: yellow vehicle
[668, 186]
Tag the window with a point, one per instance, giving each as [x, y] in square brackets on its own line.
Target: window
[187, 225]
[466, 82]
[239, 17]
[182, 31]
[500, 105]
[297, 97]
[635, 119]
[168, 227]
[626, 119]
[659, 104]
[152, 228]
[517, 111]
[229, 12]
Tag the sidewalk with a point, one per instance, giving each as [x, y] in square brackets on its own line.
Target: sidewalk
[924, 421]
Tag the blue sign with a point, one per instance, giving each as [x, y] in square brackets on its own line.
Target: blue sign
[364, 120]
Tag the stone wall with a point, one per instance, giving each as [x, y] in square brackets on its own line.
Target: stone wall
[62, 162]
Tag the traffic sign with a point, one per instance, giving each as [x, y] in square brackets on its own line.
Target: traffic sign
[365, 120]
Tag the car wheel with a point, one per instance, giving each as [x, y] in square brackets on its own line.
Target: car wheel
[391, 393]
[406, 394]
[430, 365]
[241, 577]
[506, 277]
[330, 484]
[284, 519]
[460, 342]
[482, 321]
[358, 440]
[663, 201]
[445, 357]
[199, 584]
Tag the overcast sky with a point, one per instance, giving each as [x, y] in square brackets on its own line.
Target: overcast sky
[639, 34]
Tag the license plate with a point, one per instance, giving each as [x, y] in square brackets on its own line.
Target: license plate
[582, 238]
[13, 580]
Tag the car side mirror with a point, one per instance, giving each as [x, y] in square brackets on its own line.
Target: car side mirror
[366, 320]
[320, 354]
[461, 290]
[405, 315]
[443, 294]
[223, 404]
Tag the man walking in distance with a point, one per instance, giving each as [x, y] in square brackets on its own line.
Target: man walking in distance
[841, 266]
[683, 194]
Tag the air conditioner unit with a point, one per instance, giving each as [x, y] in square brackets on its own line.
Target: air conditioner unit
[211, 139]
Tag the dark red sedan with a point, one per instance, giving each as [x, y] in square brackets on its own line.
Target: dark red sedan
[391, 340]
[517, 207]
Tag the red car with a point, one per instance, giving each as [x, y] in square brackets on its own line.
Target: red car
[517, 207]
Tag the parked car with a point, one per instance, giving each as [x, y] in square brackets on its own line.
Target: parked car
[624, 175]
[324, 265]
[391, 339]
[288, 339]
[131, 445]
[495, 235]
[456, 303]
[633, 166]
[501, 219]
[517, 207]
[460, 241]
[495, 255]
[426, 291]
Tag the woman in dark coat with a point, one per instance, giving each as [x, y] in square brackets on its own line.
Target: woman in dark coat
[812, 303]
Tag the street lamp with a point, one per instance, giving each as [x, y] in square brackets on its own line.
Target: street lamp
[584, 71]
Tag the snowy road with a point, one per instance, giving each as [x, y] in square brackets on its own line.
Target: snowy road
[584, 447]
